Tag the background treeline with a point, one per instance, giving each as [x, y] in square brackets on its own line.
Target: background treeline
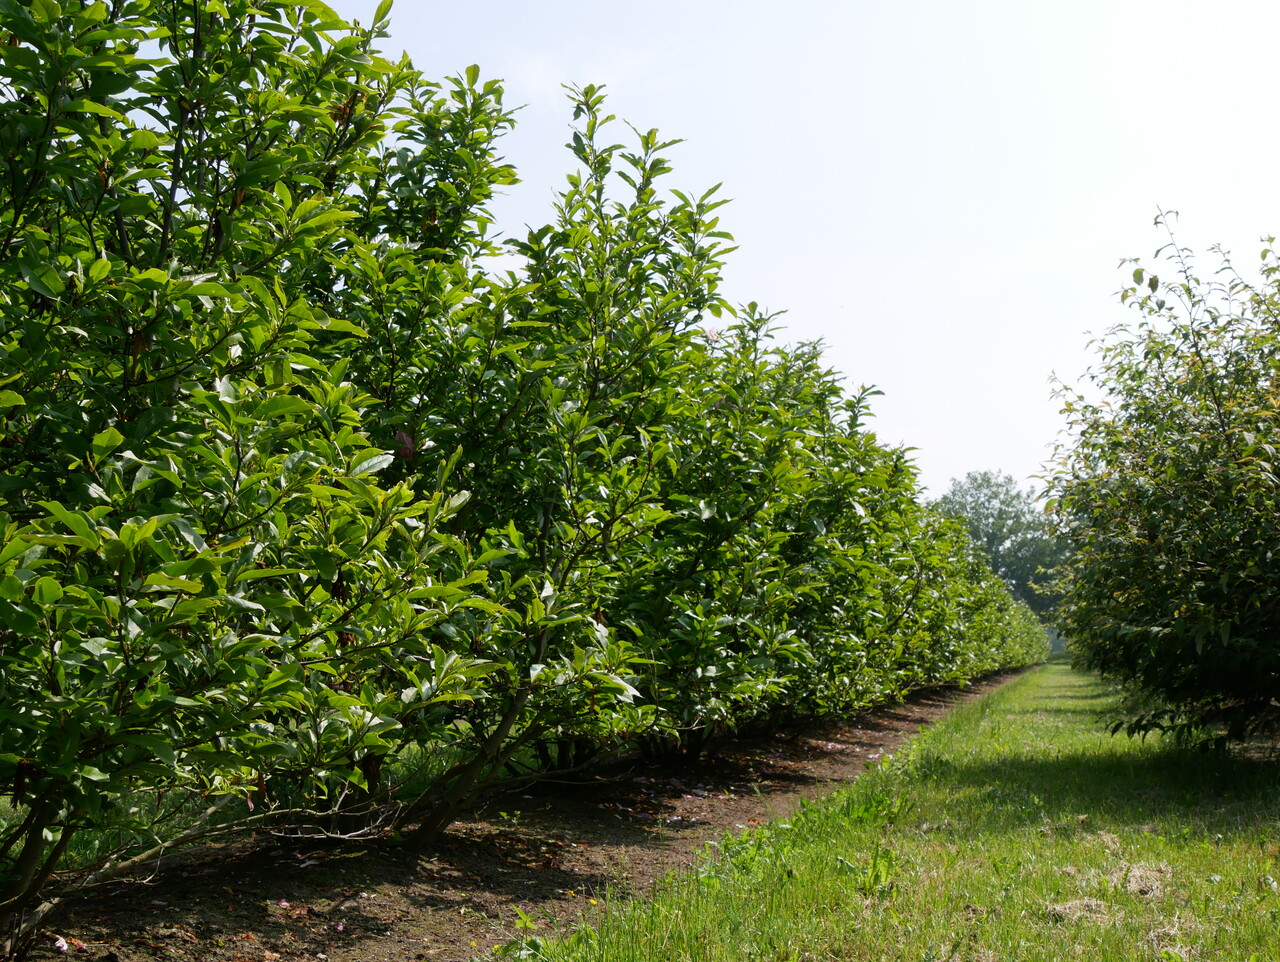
[312, 521]
[1007, 525]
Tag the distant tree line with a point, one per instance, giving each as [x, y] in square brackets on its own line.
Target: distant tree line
[1008, 526]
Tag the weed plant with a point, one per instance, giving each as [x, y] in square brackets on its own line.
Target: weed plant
[1018, 829]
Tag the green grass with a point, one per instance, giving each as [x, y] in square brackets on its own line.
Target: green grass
[1015, 830]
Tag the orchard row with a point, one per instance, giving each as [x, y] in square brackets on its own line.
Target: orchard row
[315, 520]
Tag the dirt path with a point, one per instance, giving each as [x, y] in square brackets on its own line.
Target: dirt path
[552, 852]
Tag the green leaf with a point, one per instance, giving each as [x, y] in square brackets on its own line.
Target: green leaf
[77, 521]
[18, 619]
[11, 399]
[282, 406]
[342, 326]
[44, 279]
[152, 279]
[160, 580]
[99, 269]
[13, 549]
[208, 289]
[91, 107]
[371, 465]
[277, 371]
[189, 534]
[281, 676]
[257, 574]
[47, 591]
[143, 139]
[45, 12]
[104, 442]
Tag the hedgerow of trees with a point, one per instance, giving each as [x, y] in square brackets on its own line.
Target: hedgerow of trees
[312, 522]
[1167, 494]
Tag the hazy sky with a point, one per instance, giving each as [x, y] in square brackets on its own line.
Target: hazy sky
[941, 191]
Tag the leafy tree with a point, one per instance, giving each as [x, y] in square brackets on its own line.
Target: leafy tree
[1008, 527]
[1167, 496]
[206, 592]
[557, 388]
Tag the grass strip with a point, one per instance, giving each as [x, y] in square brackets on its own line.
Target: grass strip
[1016, 829]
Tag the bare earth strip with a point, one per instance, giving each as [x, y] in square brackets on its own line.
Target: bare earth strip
[553, 853]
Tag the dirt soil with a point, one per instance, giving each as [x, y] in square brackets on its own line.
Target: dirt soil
[555, 852]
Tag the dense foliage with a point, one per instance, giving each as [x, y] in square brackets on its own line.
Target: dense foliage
[309, 521]
[1008, 526]
[1168, 495]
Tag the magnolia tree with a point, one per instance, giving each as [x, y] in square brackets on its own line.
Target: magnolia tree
[310, 522]
[206, 590]
[1167, 496]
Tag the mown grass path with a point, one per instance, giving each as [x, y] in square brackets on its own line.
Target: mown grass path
[1017, 829]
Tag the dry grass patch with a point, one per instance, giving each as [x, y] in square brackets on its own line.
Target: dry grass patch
[1144, 881]
[1108, 841]
[1082, 910]
[1177, 938]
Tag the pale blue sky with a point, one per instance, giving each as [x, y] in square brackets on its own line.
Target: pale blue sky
[940, 190]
